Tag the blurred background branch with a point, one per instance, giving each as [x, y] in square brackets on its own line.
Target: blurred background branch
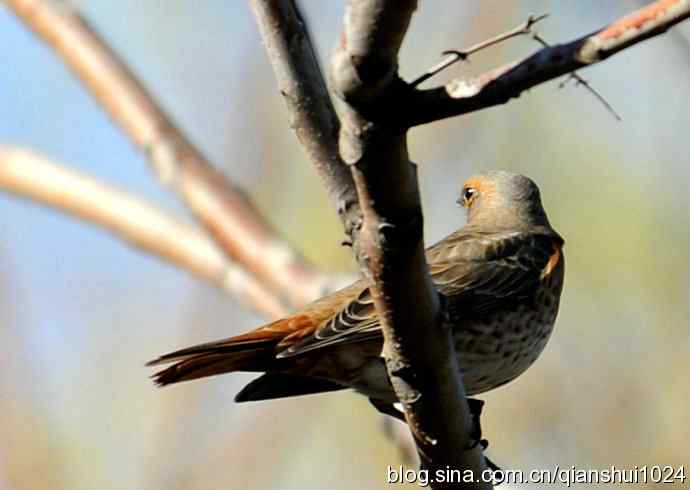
[132, 219]
[221, 207]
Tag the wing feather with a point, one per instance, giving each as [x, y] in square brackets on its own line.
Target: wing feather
[478, 270]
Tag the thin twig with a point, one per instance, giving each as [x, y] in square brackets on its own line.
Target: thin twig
[26, 174]
[455, 56]
[221, 207]
[501, 84]
[581, 81]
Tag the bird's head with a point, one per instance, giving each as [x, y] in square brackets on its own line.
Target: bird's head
[502, 199]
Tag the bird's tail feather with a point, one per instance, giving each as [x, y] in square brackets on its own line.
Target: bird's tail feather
[254, 351]
[251, 351]
[210, 363]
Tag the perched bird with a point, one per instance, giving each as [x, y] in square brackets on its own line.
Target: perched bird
[501, 276]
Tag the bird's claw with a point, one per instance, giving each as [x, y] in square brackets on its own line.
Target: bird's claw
[476, 429]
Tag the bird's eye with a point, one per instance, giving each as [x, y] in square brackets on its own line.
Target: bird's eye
[468, 194]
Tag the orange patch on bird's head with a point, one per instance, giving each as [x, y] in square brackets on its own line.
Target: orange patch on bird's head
[502, 199]
[475, 187]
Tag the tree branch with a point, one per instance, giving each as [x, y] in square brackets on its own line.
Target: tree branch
[501, 84]
[28, 175]
[418, 348]
[222, 208]
[389, 246]
[312, 115]
[453, 56]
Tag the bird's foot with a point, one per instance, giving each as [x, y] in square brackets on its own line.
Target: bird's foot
[476, 407]
[490, 464]
[476, 429]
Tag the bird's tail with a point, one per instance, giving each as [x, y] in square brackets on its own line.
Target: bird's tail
[253, 351]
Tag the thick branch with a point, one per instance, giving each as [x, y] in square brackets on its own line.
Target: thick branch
[220, 207]
[390, 246]
[26, 174]
[500, 85]
[312, 115]
[418, 349]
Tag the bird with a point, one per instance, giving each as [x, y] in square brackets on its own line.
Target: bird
[500, 276]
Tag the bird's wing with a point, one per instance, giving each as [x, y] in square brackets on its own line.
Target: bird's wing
[481, 271]
[477, 269]
[355, 322]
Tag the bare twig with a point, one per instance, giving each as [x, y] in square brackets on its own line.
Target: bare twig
[581, 81]
[455, 56]
[419, 354]
[28, 175]
[499, 85]
[220, 207]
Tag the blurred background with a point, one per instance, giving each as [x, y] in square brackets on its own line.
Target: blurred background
[81, 312]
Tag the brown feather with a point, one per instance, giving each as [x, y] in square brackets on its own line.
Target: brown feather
[252, 351]
[552, 263]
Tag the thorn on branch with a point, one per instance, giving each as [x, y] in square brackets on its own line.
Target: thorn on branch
[581, 81]
[453, 56]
